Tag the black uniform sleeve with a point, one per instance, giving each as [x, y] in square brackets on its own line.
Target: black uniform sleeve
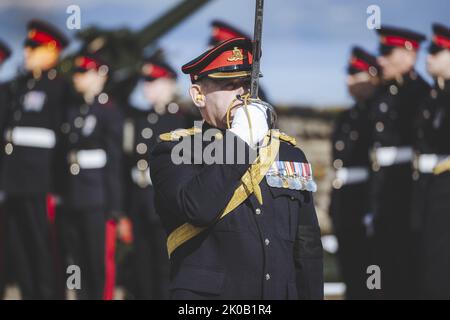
[441, 126]
[114, 178]
[4, 99]
[192, 193]
[308, 250]
[59, 116]
[308, 253]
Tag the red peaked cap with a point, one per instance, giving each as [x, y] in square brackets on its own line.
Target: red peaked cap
[362, 61]
[441, 38]
[222, 31]
[5, 52]
[230, 59]
[153, 69]
[86, 62]
[41, 33]
[391, 37]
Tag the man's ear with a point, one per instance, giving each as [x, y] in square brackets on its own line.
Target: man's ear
[197, 96]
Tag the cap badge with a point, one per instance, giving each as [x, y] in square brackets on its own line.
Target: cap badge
[236, 56]
[32, 33]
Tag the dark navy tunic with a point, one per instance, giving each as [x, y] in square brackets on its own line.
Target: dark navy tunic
[268, 251]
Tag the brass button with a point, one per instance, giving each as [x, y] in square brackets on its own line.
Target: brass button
[379, 126]
[9, 148]
[74, 169]
[103, 98]
[339, 145]
[142, 165]
[147, 133]
[337, 164]
[383, 107]
[141, 148]
[337, 184]
[393, 90]
[152, 118]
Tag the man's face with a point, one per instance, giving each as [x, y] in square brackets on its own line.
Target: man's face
[438, 64]
[398, 62]
[362, 85]
[89, 81]
[159, 91]
[218, 95]
[40, 58]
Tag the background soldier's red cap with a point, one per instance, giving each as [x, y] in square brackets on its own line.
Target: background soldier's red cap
[222, 31]
[86, 62]
[392, 37]
[229, 59]
[153, 69]
[441, 38]
[41, 33]
[362, 61]
[5, 52]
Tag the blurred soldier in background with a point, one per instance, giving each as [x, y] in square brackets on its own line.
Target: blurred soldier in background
[221, 31]
[150, 266]
[349, 202]
[31, 136]
[231, 233]
[94, 191]
[4, 104]
[392, 115]
[434, 161]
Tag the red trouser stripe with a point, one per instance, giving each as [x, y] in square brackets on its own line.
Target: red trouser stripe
[51, 208]
[110, 266]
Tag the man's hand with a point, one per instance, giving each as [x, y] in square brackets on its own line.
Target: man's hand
[125, 230]
[258, 120]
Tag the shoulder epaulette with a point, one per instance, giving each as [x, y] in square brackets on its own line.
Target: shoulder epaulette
[175, 135]
[284, 137]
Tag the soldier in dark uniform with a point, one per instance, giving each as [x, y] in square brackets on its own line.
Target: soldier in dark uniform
[31, 137]
[434, 170]
[5, 52]
[237, 228]
[94, 192]
[392, 123]
[150, 264]
[349, 200]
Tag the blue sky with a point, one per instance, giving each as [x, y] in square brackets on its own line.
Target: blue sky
[305, 43]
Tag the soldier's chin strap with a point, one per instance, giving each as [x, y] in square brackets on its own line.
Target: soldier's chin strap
[246, 100]
[270, 118]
